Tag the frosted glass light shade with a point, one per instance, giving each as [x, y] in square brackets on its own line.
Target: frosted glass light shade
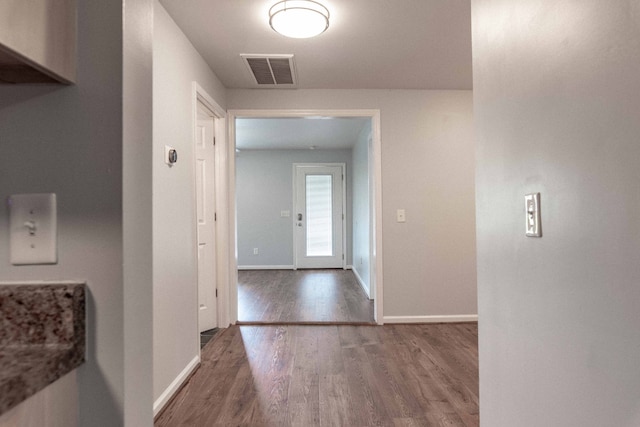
[299, 19]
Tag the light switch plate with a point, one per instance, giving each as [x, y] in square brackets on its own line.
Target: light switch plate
[400, 216]
[532, 213]
[33, 229]
[285, 214]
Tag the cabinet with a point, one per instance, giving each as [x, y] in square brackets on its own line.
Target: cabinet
[37, 41]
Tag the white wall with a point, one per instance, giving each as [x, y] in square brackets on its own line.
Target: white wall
[264, 187]
[137, 208]
[427, 169]
[176, 66]
[361, 213]
[69, 140]
[557, 110]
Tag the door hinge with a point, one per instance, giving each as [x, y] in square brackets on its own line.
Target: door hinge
[215, 216]
[214, 140]
[216, 292]
[343, 256]
[343, 177]
[343, 217]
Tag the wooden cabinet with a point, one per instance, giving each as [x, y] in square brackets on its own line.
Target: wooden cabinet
[37, 41]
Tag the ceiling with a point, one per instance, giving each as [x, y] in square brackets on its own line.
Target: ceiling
[298, 133]
[370, 44]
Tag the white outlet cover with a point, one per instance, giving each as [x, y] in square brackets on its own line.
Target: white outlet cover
[401, 216]
[33, 229]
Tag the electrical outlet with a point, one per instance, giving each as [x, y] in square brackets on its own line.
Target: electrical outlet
[255, 251]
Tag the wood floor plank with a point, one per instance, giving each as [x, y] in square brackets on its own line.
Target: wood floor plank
[304, 389]
[392, 375]
[292, 296]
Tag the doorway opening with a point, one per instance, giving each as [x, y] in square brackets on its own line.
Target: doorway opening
[307, 216]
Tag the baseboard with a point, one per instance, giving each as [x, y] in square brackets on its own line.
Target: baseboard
[432, 319]
[360, 281]
[166, 395]
[265, 267]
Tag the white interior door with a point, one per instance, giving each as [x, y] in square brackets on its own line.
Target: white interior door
[205, 213]
[319, 216]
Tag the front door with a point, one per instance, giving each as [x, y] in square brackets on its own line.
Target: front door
[319, 216]
[205, 213]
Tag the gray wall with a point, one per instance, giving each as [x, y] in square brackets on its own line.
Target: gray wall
[556, 88]
[175, 294]
[428, 166]
[69, 140]
[264, 187]
[361, 214]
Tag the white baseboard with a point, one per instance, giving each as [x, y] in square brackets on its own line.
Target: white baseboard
[360, 281]
[265, 267]
[168, 393]
[432, 319]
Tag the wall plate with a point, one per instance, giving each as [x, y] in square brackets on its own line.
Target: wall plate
[33, 229]
[532, 213]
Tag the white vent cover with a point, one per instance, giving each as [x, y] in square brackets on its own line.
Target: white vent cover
[271, 71]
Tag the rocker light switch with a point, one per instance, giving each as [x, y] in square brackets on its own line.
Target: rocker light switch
[33, 229]
[532, 207]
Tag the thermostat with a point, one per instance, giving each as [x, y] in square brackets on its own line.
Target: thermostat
[170, 155]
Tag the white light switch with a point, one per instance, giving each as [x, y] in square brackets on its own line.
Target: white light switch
[532, 208]
[33, 229]
[400, 216]
[285, 214]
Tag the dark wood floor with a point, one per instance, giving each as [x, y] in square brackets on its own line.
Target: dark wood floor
[293, 296]
[392, 375]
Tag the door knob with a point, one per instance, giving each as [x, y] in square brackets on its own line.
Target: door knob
[299, 217]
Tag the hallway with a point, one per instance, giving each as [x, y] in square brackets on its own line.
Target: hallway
[301, 296]
[392, 375]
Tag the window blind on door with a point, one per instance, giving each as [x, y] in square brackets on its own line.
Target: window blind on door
[319, 215]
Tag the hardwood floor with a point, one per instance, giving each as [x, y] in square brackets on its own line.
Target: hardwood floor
[392, 375]
[298, 296]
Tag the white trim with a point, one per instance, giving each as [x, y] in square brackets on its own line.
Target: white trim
[266, 267]
[376, 276]
[202, 96]
[360, 281]
[175, 385]
[375, 241]
[432, 319]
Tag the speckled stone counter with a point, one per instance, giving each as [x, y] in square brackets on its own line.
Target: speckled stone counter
[42, 337]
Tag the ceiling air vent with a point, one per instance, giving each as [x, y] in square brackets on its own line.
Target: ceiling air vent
[271, 71]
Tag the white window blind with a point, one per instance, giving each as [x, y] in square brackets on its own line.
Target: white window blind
[319, 218]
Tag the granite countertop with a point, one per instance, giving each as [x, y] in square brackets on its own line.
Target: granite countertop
[42, 337]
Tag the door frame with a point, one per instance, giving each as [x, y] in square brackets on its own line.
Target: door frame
[375, 203]
[343, 166]
[221, 188]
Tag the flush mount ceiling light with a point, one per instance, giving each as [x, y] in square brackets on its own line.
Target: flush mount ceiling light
[299, 19]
